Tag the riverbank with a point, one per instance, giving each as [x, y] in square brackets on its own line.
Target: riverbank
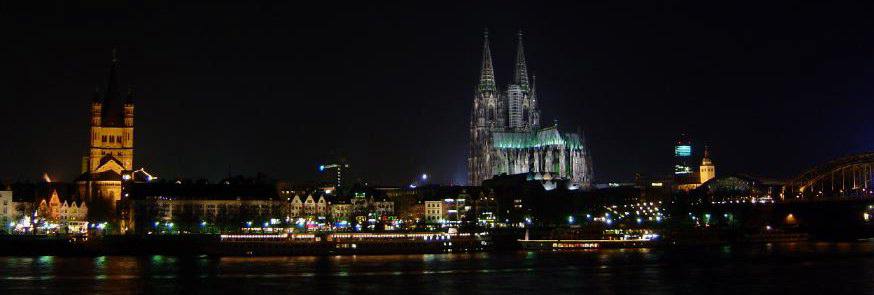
[246, 245]
[344, 243]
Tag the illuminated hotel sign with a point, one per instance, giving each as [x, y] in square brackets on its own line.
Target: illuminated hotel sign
[683, 151]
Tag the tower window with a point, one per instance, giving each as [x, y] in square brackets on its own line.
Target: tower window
[118, 138]
[111, 139]
[103, 138]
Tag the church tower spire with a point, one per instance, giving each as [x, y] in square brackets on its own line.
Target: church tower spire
[707, 170]
[111, 149]
[534, 119]
[112, 108]
[487, 71]
[521, 77]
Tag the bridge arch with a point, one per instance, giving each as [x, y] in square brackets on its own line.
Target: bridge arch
[847, 177]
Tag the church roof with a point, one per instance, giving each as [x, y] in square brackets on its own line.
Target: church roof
[109, 158]
[535, 139]
[108, 175]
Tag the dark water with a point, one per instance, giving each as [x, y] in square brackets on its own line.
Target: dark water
[838, 268]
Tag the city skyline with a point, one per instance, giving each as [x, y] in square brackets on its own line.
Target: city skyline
[281, 96]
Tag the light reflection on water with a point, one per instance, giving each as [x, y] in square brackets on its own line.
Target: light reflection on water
[779, 268]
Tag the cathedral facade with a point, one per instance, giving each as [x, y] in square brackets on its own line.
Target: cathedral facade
[506, 136]
[110, 155]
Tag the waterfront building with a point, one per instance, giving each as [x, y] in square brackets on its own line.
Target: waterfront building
[7, 209]
[382, 206]
[62, 217]
[359, 204]
[171, 206]
[228, 207]
[111, 144]
[507, 138]
[50, 210]
[296, 207]
[449, 210]
[314, 207]
[72, 211]
[427, 204]
[341, 208]
[435, 212]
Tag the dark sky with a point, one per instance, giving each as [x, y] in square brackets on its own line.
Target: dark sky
[242, 88]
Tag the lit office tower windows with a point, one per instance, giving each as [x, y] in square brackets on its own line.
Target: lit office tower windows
[683, 157]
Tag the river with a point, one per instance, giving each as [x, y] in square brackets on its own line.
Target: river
[794, 268]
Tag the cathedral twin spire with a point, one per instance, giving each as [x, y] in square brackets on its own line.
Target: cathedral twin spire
[521, 78]
[487, 71]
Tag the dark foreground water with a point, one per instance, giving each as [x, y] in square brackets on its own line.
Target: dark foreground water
[803, 268]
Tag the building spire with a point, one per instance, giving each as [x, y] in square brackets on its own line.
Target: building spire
[96, 97]
[533, 84]
[705, 161]
[112, 96]
[130, 95]
[487, 71]
[112, 91]
[521, 78]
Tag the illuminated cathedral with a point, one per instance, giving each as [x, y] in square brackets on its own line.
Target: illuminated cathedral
[506, 137]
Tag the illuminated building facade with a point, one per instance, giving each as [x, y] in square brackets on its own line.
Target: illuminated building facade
[435, 212]
[7, 209]
[164, 207]
[683, 159]
[54, 210]
[506, 137]
[449, 210]
[111, 145]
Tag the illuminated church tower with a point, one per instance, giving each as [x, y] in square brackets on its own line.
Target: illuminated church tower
[485, 118]
[707, 170]
[111, 145]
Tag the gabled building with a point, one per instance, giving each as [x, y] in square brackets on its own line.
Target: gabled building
[54, 210]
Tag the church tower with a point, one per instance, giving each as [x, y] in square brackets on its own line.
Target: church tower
[707, 170]
[521, 107]
[486, 117]
[111, 145]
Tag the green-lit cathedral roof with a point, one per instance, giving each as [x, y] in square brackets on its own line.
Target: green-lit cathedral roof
[536, 139]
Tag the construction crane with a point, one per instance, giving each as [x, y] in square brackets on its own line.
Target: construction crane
[131, 176]
[339, 168]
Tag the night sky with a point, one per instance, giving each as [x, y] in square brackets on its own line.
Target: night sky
[247, 88]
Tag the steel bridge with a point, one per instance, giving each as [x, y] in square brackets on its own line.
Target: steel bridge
[843, 178]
